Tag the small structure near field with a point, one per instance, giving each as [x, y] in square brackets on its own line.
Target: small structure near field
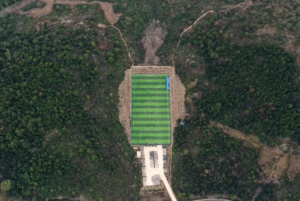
[165, 170]
[168, 83]
[164, 151]
[138, 154]
[156, 180]
[144, 172]
[153, 168]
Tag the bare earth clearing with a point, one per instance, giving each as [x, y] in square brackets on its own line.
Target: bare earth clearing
[55, 131]
[154, 37]
[151, 196]
[39, 12]
[272, 160]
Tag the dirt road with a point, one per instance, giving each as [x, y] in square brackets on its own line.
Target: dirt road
[273, 160]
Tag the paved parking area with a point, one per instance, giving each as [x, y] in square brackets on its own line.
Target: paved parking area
[154, 168]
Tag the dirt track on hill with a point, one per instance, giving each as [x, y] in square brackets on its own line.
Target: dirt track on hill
[46, 10]
[272, 159]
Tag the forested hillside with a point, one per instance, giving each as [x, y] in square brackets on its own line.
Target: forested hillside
[51, 142]
[59, 78]
[249, 87]
[255, 86]
[207, 161]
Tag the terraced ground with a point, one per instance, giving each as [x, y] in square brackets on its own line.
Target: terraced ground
[150, 110]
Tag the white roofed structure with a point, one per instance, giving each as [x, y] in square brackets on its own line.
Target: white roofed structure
[138, 154]
[153, 159]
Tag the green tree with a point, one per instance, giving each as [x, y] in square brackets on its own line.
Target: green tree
[8, 55]
[233, 197]
[6, 185]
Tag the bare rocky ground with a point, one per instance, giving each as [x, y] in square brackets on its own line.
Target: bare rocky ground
[153, 39]
[154, 196]
[273, 160]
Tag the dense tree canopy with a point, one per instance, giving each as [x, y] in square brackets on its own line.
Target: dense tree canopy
[46, 79]
[250, 88]
[256, 90]
[212, 163]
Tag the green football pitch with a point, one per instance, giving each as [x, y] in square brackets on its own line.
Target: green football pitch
[150, 110]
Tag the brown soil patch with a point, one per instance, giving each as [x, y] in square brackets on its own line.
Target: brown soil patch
[55, 131]
[189, 99]
[101, 26]
[2, 130]
[294, 167]
[292, 47]
[39, 12]
[125, 103]
[84, 25]
[192, 84]
[39, 25]
[3, 196]
[273, 162]
[272, 170]
[244, 6]
[268, 154]
[276, 170]
[271, 31]
[177, 95]
[103, 45]
[16, 7]
[237, 134]
[154, 37]
[109, 13]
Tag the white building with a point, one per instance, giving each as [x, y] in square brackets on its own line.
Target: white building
[153, 165]
[165, 170]
[138, 154]
[144, 172]
[164, 151]
[156, 180]
[144, 181]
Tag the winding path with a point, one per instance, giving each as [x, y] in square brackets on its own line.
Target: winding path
[112, 18]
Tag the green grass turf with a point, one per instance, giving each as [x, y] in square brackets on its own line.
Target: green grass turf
[150, 110]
